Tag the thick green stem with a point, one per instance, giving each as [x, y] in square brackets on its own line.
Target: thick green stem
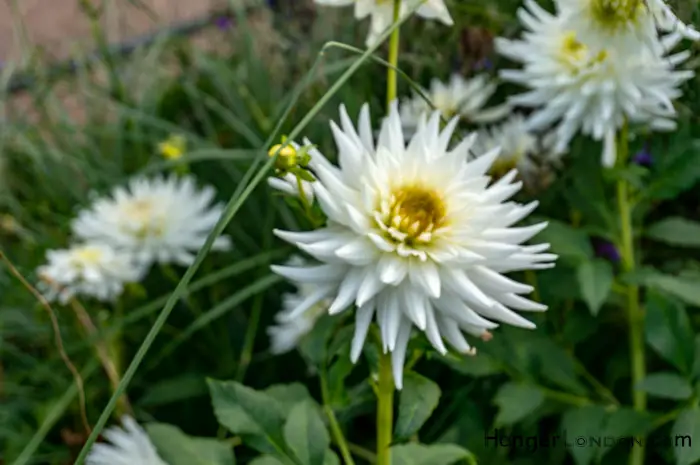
[634, 312]
[393, 58]
[385, 410]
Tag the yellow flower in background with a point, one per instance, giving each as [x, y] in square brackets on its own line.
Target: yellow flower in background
[173, 148]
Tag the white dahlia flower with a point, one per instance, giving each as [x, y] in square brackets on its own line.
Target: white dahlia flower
[381, 13]
[90, 270]
[520, 149]
[129, 445]
[461, 97]
[162, 220]
[288, 332]
[590, 87]
[415, 236]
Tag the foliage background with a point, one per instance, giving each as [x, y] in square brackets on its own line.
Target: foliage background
[572, 372]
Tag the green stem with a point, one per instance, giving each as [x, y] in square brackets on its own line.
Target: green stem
[393, 58]
[385, 409]
[336, 431]
[634, 311]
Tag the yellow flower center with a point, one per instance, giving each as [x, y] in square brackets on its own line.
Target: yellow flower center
[141, 213]
[614, 15]
[412, 215]
[576, 55]
[88, 255]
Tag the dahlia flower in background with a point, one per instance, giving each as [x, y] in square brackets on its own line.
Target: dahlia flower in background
[461, 97]
[89, 270]
[381, 13]
[164, 220]
[288, 332]
[416, 236]
[129, 445]
[531, 154]
[582, 82]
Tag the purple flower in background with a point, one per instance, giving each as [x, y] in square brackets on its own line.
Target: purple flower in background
[485, 64]
[643, 157]
[223, 22]
[606, 249]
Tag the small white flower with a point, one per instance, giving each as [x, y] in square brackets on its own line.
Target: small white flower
[129, 446]
[289, 331]
[160, 220]
[458, 97]
[415, 236]
[91, 270]
[520, 149]
[381, 13]
[590, 87]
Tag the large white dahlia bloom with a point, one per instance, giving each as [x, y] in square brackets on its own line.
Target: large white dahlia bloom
[87, 270]
[164, 220]
[381, 13]
[591, 86]
[415, 236]
[129, 445]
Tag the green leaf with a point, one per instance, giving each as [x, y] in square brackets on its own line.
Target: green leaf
[685, 287]
[624, 423]
[306, 433]
[179, 388]
[668, 385]
[481, 365]
[595, 278]
[685, 429]
[417, 401]
[678, 168]
[266, 460]
[587, 422]
[569, 243]
[437, 454]
[516, 401]
[176, 448]
[668, 330]
[676, 231]
[243, 410]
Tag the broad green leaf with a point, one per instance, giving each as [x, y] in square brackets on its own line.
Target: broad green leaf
[436, 454]
[175, 389]
[480, 365]
[266, 460]
[668, 385]
[306, 433]
[516, 401]
[685, 287]
[555, 364]
[417, 400]
[684, 436]
[586, 422]
[676, 231]
[569, 243]
[624, 423]
[668, 330]
[176, 448]
[595, 278]
[678, 169]
[288, 395]
[243, 410]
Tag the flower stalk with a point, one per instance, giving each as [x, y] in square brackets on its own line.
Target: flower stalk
[393, 57]
[385, 409]
[635, 315]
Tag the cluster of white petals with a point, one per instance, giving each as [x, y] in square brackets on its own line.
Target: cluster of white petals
[90, 270]
[417, 235]
[164, 220]
[461, 97]
[129, 445]
[381, 13]
[594, 65]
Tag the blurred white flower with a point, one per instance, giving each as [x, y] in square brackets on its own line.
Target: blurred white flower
[161, 220]
[591, 87]
[288, 332]
[415, 236]
[129, 445]
[520, 149]
[90, 270]
[461, 97]
[381, 13]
